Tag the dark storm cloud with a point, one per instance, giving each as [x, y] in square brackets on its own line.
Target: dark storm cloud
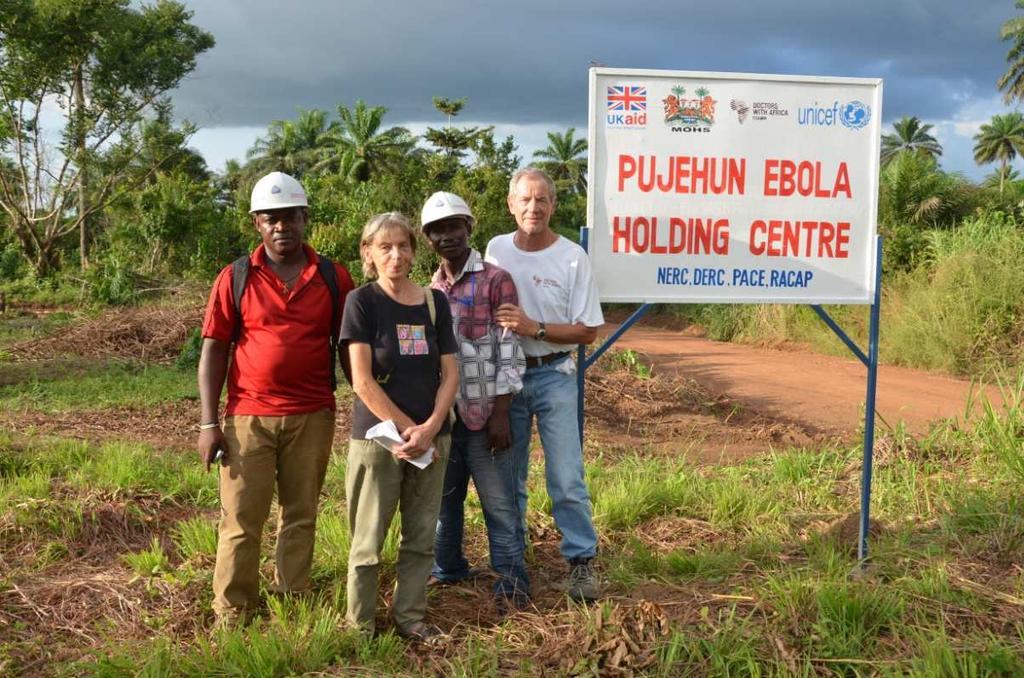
[527, 62]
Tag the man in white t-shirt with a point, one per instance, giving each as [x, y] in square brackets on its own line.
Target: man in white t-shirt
[559, 308]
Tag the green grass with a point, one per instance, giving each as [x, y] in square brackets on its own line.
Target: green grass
[111, 467]
[796, 585]
[196, 538]
[748, 560]
[18, 328]
[638, 489]
[112, 385]
[299, 637]
[150, 562]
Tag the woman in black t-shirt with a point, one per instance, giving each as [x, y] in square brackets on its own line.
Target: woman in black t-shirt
[402, 352]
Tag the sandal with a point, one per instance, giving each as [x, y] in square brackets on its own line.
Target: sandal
[421, 632]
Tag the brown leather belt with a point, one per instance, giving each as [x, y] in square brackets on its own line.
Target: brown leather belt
[544, 359]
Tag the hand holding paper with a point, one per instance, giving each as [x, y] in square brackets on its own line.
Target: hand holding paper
[387, 436]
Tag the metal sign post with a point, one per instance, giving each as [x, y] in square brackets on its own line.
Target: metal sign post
[870, 360]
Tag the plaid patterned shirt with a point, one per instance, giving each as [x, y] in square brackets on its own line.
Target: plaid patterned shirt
[491, 361]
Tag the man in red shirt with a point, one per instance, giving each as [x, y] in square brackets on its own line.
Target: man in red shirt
[279, 418]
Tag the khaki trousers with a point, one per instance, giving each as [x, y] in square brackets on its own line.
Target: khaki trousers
[292, 453]
[376, 483]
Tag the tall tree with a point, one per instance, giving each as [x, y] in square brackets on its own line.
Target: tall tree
[359, 147]
[293, 146]
[909, 136]
[565, 160]
[1012, 82]
[1000, 139]
[454, 141]
[103, 65]
[450, 107]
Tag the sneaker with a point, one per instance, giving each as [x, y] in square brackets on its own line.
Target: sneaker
[582, 584]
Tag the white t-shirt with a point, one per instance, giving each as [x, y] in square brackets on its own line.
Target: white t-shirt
[555, 285]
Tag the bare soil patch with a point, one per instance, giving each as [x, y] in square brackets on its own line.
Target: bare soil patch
[820, 394]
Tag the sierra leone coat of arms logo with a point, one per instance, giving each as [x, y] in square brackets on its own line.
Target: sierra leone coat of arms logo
[700, 110]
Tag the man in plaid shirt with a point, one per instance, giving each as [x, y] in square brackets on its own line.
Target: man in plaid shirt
[491, 365]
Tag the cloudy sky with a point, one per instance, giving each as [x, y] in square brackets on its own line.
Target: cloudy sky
[523, 65]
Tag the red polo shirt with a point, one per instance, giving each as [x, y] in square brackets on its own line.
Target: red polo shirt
[282, 362]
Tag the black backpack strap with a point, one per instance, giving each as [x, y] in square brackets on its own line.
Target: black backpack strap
[330, 276]
[239, 276]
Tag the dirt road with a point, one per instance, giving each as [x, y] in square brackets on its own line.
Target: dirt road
[822, 394]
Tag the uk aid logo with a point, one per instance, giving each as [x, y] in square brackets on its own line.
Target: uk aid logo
[852, 115]
[627, 106]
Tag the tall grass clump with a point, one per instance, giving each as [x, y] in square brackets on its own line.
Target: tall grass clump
[962, 310]
[149, 562]
[638, 489]
[196, 538]
[332, 544]
[300, 637]
[1000, 426]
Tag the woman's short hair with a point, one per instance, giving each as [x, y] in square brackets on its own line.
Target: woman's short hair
[387, 221]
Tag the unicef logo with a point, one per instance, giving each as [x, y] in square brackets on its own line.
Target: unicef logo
[855, 114]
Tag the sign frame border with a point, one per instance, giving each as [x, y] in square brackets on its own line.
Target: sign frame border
[874, 172]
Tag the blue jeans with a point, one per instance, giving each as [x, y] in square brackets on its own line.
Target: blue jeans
[551, 396]
[471, 457]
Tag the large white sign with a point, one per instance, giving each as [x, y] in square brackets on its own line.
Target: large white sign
[733, 188]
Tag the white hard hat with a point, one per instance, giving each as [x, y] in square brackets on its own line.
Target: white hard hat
[276, 191]
[443, 205]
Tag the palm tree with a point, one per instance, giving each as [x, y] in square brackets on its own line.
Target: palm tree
[359, 136]
[565, 160]
[1001, 175]
[1001, 139]
[914, 191]
[1012, 81]
[909, 136]
[292, 146]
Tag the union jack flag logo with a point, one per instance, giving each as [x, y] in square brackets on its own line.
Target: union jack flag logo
[627, 98]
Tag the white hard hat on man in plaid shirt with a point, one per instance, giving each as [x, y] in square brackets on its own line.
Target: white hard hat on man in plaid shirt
[444, 205]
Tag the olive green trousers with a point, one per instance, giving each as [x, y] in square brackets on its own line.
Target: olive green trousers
[377, 483]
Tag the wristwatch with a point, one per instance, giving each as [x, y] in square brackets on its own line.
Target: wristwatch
[541, 332]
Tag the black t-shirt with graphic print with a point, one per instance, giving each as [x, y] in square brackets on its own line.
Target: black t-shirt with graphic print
[406, 351]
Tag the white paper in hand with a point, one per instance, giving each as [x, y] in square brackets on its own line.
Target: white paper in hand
[386, 435]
